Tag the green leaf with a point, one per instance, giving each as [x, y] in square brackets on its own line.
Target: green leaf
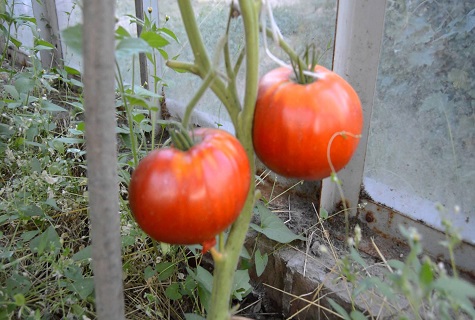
[20, 300]
[149, 272]
[168, 32]
[43, 45]
[69, 140]
[83, 254]
[357, 257]
[83, 287]
[49, 239]
[122, 33]
[323, 213]
[28, 235]
[203, 277]
[173, 291]
[339, 309]
[155, 40]
[272, 227]
[426, 275]
[72, 36]
[130, 46]
[357, 315]
[241, 286]
[24, 84]
[165, 270]
[368, 283]
[51, 107]
[72, 71]
[12, 91]
[261, 262]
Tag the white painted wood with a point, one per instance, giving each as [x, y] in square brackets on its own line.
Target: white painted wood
[47, 23]
[359, 33]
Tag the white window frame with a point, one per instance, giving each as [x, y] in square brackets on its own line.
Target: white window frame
[358, 42]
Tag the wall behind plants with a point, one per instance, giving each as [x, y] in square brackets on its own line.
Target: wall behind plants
[301, 22]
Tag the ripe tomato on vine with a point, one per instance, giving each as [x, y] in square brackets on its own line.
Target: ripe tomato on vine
[188, 197]
[295, 123]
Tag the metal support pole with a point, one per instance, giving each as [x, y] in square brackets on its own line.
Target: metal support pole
[142, 58]
[99, 70]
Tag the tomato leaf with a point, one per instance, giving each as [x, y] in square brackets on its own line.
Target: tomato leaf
[241, 286]
[272, 227]
[260, 261]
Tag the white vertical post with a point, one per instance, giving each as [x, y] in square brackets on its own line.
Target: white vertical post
[47, 21]
[358, 37]
[99, 71]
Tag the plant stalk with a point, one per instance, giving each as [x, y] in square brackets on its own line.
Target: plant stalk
[227, 260]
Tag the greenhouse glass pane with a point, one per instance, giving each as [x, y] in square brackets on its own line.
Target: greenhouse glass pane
[421, 147]
[300, 21]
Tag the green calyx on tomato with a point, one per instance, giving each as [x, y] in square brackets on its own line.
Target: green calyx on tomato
[188, 197]
[308, 63]
[306, 131]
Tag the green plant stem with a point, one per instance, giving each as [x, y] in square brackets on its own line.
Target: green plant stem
[225, 267]
[227, 260]
[201, 90]
[130, 118]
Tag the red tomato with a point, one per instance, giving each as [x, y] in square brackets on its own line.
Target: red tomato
[188, 197]
[294, 123]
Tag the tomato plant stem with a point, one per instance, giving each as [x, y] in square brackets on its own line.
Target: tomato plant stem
[242, 118]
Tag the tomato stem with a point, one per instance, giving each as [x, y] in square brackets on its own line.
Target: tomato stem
[181, 139]
[226, 262]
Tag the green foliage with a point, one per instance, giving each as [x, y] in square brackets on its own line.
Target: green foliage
[428, 289]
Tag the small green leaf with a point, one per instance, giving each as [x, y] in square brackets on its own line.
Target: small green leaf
[155, 40]
[357, 257]
[241, 286]
[260, 261]
[426, 275]
[47, 240]
[165, 270]
[51, 107]
[272, 227]
[72, 71]
[24, 84]
[149, 272]
[83, 254]
[83, 287]
[20, 300]
[172, 292]
[203, 277]
[122, 33]
[339, 309]
[323, 213]
[12, 91]
[70, 140]
[43, 45]
[357, 315]
[130, 46]
[72, 36]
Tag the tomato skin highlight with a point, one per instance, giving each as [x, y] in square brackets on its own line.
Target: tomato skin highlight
[188, 197]
[294, 123]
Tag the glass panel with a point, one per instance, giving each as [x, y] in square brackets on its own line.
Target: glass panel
[301, 22]
[422, 142]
